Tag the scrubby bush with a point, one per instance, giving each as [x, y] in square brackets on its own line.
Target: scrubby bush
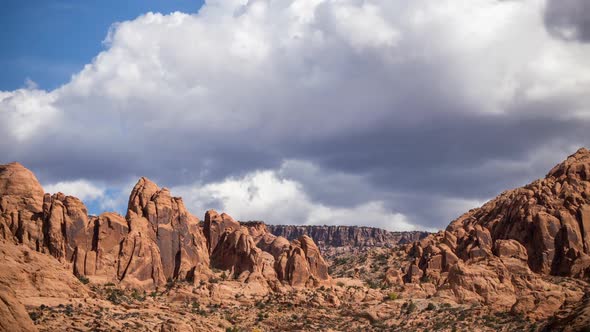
[34, 315]
[115, 296]
[137, 295]
[83, 279]
[170, 283]
[411, 307]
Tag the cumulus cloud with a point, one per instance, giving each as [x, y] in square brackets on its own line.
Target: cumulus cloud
[267, 196]
[408, 105]
[97, 196]
[82, 189]
[568, 19]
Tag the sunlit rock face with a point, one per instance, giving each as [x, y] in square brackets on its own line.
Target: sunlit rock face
[157, 241]
[499, 253]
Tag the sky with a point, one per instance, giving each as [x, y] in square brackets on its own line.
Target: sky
[386, 113]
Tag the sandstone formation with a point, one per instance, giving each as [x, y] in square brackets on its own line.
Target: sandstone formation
[156, 242]
[250, 252]
[499, 253]
[347, 236]
[165, 234]
[21, 206]
[215, 225]
[13, 315]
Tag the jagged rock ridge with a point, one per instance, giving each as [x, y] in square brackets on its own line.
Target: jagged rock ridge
[500, 253]
[347, 236]
[158, 240]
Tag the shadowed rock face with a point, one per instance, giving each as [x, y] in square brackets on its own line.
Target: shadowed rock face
[347, 236]
[549, 217]
[498, 253]
[158, 240]
[215, 225]
[13, 313]
[164, 230]
[21, 206]
[250, 251]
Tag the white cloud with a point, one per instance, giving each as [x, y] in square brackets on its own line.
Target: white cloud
[81, 189]
[97, 197]
[234, 64]
[245, 85]
[265, 195]
[25, 112]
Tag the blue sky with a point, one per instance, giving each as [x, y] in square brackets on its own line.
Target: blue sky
[48, 41]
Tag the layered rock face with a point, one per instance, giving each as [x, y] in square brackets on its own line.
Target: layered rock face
[158, 240]
[347, 236]
[165, 234]
[250, 252]
[499, 254]
[21, 206]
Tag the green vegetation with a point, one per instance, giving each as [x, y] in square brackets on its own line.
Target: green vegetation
[83, 279]
[137, 295]
[35, 315]
[116, 296]
[411, 307]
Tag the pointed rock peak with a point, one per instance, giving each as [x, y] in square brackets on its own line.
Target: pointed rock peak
[140, 195]
[582, 151]
[145, 184]
[211, 215]
[227, 217]
[17, 180]
[577, 163]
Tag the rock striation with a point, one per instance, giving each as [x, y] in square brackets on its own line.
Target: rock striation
[347, 236]
[250, 252]
[156, 242]
[500, 254]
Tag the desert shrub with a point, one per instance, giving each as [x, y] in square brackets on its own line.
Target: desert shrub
[374, 284]
[430, 306]
[69, 310]
[411, 307]
[137, 295]
[340, 284]
[170, 283]
[115, 296]
[392, 296]
[34, 315]
[83, 279]
[340, 261]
